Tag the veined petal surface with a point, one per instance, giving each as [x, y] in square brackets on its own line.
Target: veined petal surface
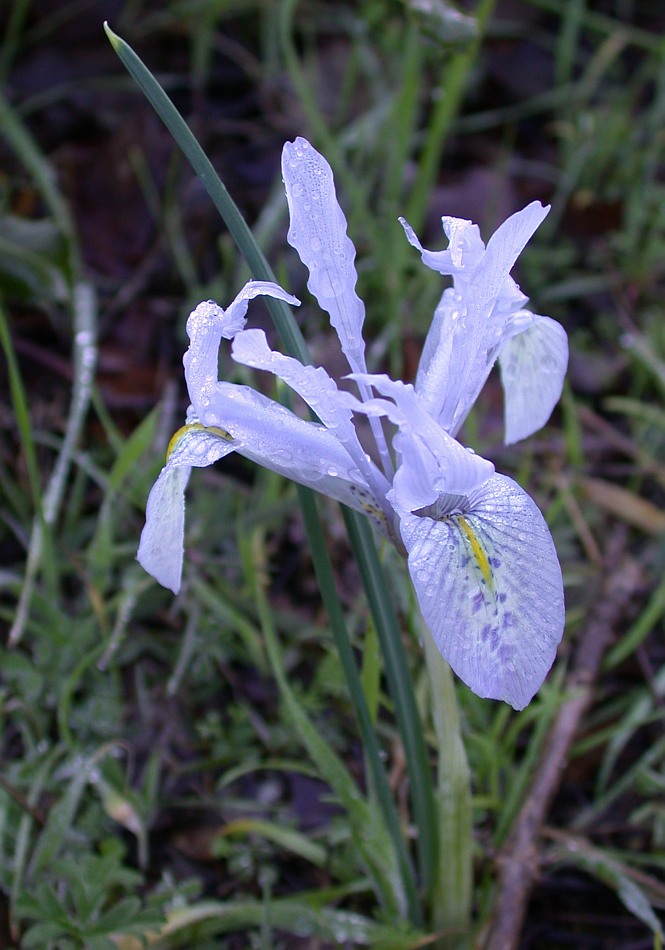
[430, 461]
[489, 587]
[464, 252]
[318, 233]
[533, 365]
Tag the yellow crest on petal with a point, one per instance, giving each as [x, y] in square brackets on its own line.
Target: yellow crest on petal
[478, 550]
[177, 437]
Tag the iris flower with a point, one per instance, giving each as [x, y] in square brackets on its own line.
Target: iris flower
[480, 555]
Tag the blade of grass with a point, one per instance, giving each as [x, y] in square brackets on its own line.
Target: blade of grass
[84, 320]
[325, 578]
[400, 687]
[220, 197]
[44, 177]
[85, 361]
[10, 42]
[369, 831]
[451, 911]
[22, 413]
[443, 114]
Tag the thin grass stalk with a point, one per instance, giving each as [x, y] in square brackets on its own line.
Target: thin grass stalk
[83, 308]
[238, 228]
[321, 132]
[331, 767]
[22, 143]
[85, 362]
[325, 578]
[400, 686]
[442, 117]
[22, 413]
[11, 40]
[398, 676]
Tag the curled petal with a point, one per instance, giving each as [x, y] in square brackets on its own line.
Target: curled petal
[465, 250]
[503, 249]
[533, 366]
[489, 587]
[318, 233]
[207, 325]
[469, 324]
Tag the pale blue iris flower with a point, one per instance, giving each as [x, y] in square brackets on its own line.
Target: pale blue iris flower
[480, 555]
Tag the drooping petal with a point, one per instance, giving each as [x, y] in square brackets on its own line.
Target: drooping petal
[489, 587]
[207, 325]
[533, 365]
[319, 391]
[160, 550]
[318, 233]
[161, 547]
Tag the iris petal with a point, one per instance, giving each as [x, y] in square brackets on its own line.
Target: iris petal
[489, 587]
[161, 547]
[318, 233]
[207, 325]
[533, 366]
[470, 322]
[320, 392]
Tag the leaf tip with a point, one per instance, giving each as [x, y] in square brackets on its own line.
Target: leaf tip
[114, 39]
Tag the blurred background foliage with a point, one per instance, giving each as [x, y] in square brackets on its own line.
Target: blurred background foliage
[151, 788]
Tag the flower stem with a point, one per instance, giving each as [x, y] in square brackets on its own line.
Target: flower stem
[452, 892]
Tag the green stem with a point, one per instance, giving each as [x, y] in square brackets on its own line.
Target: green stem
[365, 829]
[240, 232]
[84, 319]
[451, 907]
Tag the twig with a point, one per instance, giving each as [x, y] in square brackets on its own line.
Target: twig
[519, 858]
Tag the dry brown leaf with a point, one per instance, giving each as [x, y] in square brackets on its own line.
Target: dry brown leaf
[624, 504]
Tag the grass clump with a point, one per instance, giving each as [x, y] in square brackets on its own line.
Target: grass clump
[154, 785]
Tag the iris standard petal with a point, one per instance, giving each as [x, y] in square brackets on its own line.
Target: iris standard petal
[430, 460]
[318, 233]
[501, 253]
[533, 365]
[161, 547]
[469, 322]
[489, 587]
[466, 247]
